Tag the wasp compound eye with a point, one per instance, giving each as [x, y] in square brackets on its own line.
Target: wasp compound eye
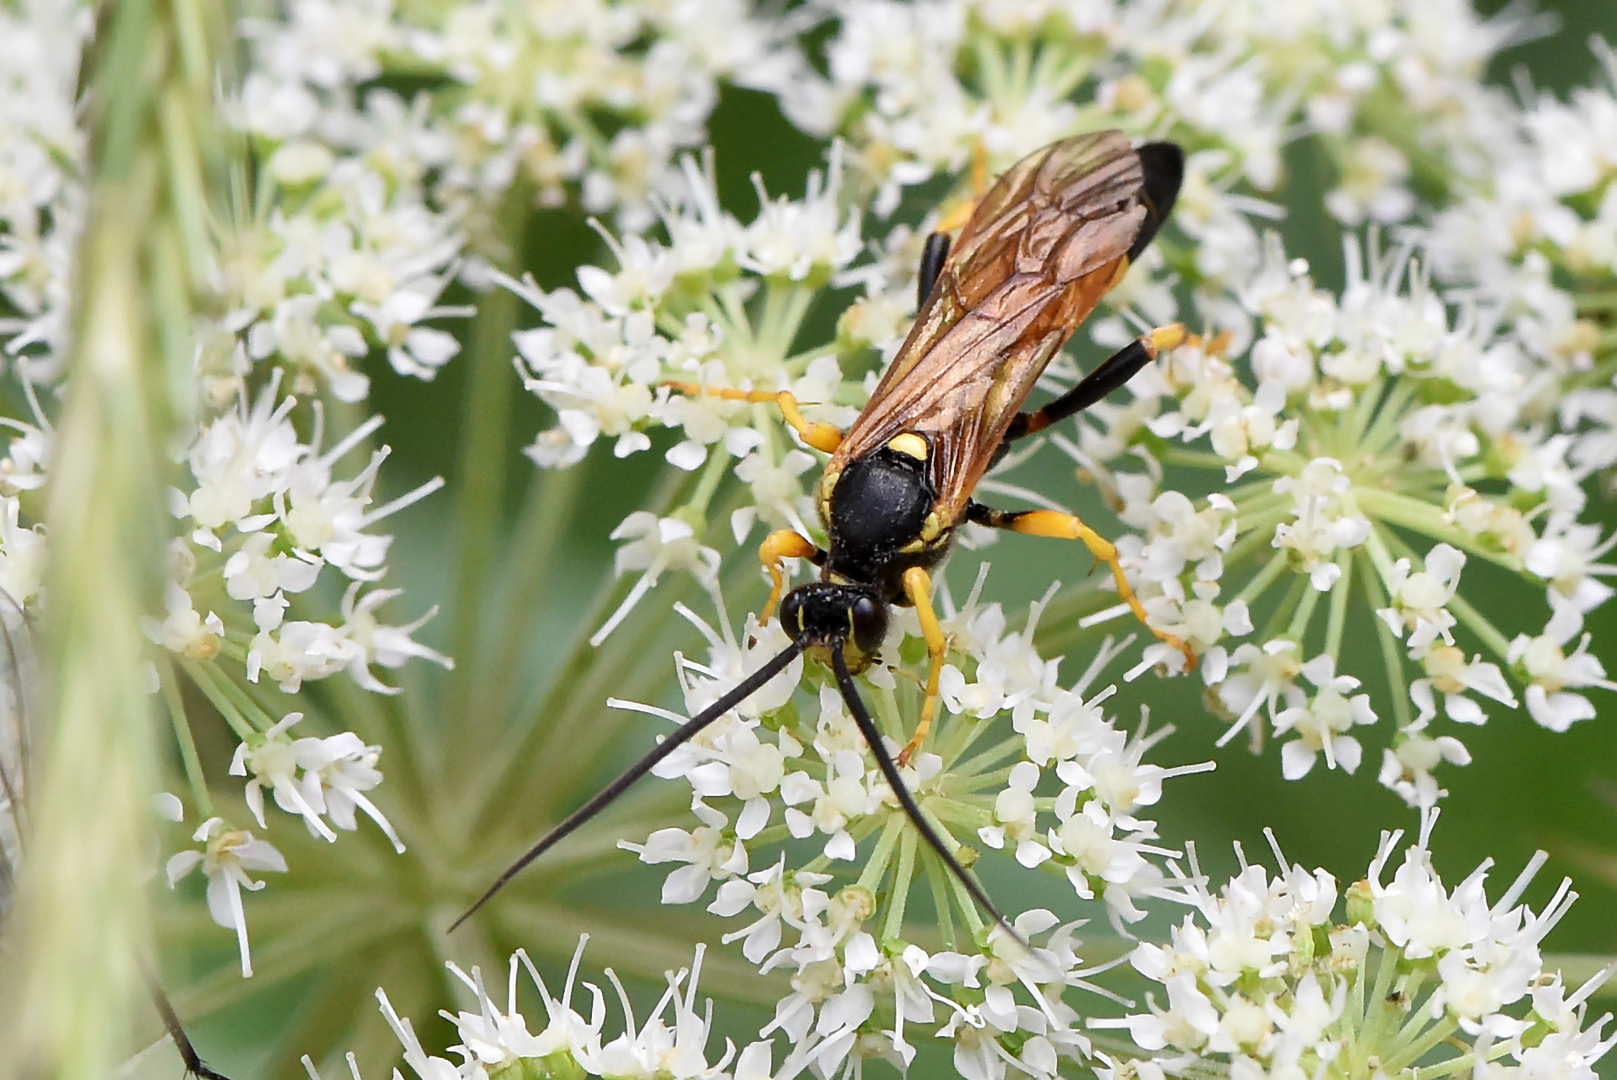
[868, 618]
[791, 614]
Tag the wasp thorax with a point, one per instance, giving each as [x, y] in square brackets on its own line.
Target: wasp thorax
[821, 612]
[878, 506]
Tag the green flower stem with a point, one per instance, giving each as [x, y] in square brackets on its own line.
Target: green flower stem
[1010, 746]
[182, 735]
[244, 717]
[936, 879]
[991, 74]
[957, 812]
[784, 308]
[1353, 1010]
[770, 323]
[966, 736]
[1304, 613]
[1060, 71]
[979, 780]
[531, 564]
[1391, 655]
[1419, 1048]
[540, 726]
[1375, 545]
[1295, 592]
[861, 830]
[1396, 508]
[480, 470]
[74, 988]
[968, 906]
[1194, 459]
[882, 854]
[1417, 1036]
[1021, 67]
[1266, 577]
[1336, 623]
[735, 320]
[1383, 431]
[902, 879]
[1378, 1015]
[720, 316]
[889, 720]
[714, 473]
[1473, 620]
[1354, 425]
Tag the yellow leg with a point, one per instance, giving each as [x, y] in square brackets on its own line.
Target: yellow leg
[779, 545]
[1069, 527]
[918, 587]
[825, 437]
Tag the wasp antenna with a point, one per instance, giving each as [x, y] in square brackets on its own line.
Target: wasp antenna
[906, 798]
[194, 1065]
[603, 798]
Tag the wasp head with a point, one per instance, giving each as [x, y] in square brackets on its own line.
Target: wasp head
[823, 612]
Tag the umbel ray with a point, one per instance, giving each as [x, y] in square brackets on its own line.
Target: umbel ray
[1043, 245]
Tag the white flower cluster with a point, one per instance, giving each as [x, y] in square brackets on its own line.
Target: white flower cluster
[671, 1045]
[314, 778]
[264, 517]
[590, 100]
[352, 253]
[680, 311]
[42, 195]
[922, 88]
[677, 311]
[1377, 415]
[1060, 787]
[1538, 199]
[1263, 978]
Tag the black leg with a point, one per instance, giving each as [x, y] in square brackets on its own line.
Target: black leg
[1113, 372]
[933, 256]
[194, 1064]
[979, 514]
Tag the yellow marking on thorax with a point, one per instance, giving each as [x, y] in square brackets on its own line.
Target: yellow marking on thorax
[827, 484]
[911, 444]
[932, 532]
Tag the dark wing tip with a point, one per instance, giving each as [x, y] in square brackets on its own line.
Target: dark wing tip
[1163, 165]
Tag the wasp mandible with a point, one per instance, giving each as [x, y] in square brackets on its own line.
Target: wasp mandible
[1043, 245]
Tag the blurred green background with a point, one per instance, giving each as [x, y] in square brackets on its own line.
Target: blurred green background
[1527, 789]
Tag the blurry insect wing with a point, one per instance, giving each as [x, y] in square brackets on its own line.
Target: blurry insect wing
[1045, 243]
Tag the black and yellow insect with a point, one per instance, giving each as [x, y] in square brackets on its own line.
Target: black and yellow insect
[1043, 245]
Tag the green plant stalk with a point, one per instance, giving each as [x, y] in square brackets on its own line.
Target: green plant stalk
[480, 479]
[82, 926]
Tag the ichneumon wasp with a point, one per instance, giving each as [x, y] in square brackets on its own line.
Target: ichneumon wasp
[1056, 232]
